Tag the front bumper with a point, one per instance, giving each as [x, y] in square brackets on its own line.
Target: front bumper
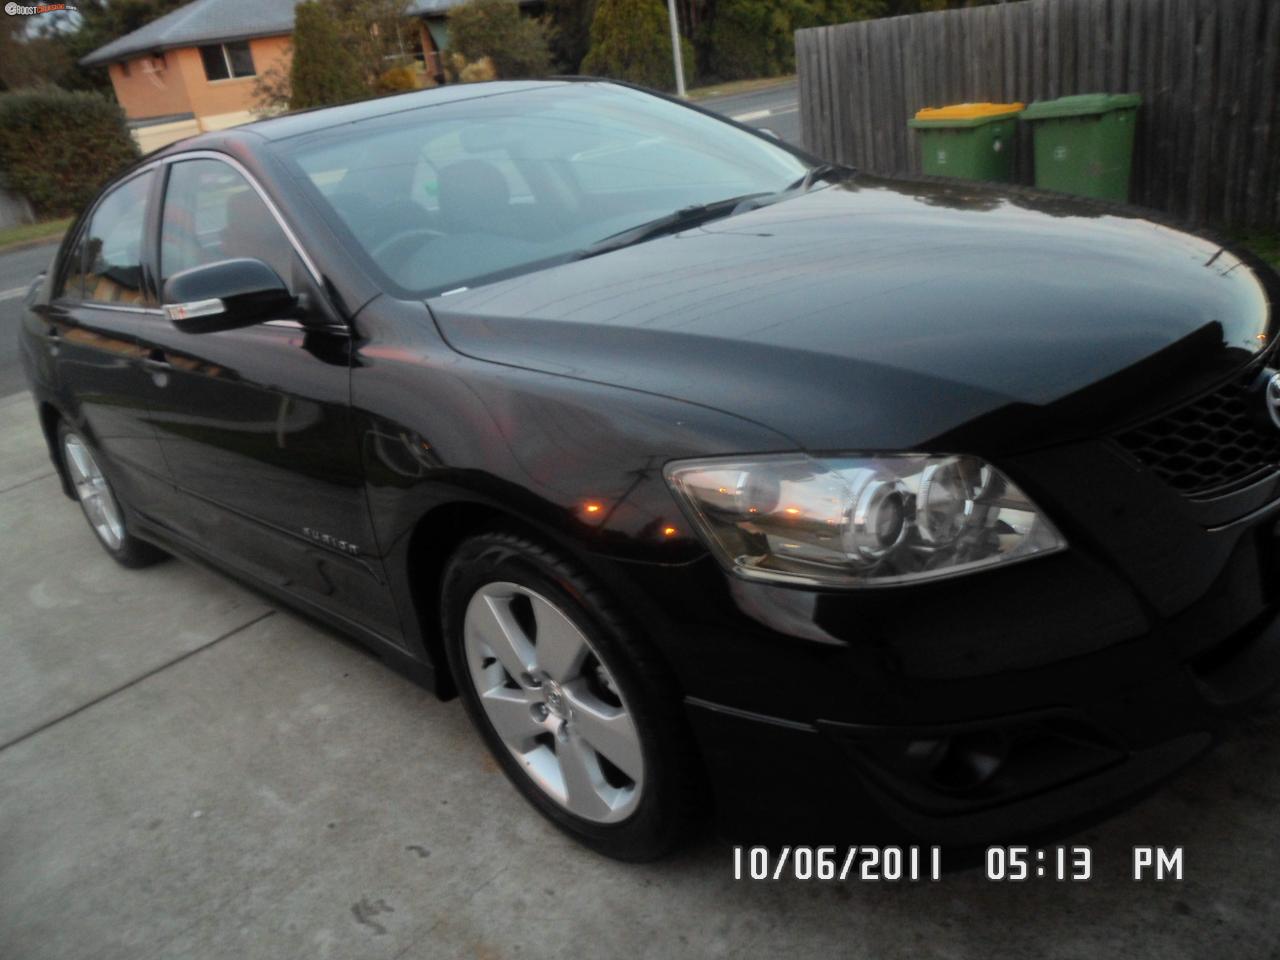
[974, 782]
[1009, 703]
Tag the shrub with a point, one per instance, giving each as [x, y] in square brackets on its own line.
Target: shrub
[569, 31]
[396, 80]
[478, 71]
[750, 38]
[631, 40]
[57, 147]
[324, 69]
[516, 44]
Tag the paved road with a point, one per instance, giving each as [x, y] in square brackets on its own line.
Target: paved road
[776, 108]
[16, 270]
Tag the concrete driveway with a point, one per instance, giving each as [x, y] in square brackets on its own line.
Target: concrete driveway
[188, 771]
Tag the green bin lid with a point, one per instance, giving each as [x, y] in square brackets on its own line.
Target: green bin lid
[1080, 105]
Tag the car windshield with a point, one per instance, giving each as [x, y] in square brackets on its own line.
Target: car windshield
[458, 194]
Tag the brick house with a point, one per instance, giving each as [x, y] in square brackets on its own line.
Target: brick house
[194, 68]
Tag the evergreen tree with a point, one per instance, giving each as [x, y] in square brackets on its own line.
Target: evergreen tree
[631, 40]
[497, 29]
[324, 69]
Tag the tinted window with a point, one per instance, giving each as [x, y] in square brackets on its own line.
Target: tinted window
[240, 58]
[224, 60]
[112, 254]
[211, 213]
[215, 64]
[457, 193]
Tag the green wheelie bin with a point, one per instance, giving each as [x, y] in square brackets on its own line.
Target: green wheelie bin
[1084, 143]
[970, 140]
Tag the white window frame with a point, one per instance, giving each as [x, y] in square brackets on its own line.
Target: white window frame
[226, 60]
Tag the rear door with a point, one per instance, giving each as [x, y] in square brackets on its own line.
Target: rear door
[103, 295]
[255, 423]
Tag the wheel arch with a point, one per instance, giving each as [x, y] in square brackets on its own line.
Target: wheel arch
[50, 417]
[437, 535]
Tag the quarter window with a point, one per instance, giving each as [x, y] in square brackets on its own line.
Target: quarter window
[211, 213]
[222, 61]
[106, 266]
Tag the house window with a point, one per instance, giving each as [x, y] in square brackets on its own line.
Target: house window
[223, 61]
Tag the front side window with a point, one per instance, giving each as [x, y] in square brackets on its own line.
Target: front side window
[457, 194]
[106, 266]
[224, 61]
[211, 213]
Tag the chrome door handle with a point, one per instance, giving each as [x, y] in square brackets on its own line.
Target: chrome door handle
[156, 360]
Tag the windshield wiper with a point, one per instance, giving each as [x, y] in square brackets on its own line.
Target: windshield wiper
[673, 222]
[823, 171]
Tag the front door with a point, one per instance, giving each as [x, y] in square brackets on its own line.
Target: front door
[255, 423]
[104, 295]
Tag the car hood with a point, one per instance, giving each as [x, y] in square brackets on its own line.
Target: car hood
[891, 314]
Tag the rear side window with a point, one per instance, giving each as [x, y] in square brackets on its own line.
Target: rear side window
[211, 213]
[106, 266]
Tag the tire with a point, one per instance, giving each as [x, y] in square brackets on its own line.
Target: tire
[101, 506]
[605, 718]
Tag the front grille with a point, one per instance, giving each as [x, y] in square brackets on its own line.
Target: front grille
[1211, 444]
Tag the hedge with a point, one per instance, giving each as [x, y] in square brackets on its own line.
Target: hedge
[58, 147]
[631, 40]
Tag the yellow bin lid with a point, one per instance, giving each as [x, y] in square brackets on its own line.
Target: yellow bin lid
[966, 114]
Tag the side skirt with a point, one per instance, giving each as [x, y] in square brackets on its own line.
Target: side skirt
[419, 671]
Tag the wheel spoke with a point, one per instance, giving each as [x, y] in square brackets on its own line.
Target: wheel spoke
[561, 648]
[510, 713]
[491, 622]
[607, 729]
[80, 461]
[581, 774]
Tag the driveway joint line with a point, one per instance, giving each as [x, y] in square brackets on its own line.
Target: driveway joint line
[27, 482]
[133, 683]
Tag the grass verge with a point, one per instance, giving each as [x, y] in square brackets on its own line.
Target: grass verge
[1266, 245]
[28, 234]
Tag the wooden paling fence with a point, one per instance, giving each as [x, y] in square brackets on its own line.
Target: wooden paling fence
[1208, 135]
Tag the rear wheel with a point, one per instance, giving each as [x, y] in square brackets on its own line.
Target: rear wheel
[100, 505]
[577, 710]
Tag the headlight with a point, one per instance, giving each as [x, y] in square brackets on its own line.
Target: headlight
[860, 522]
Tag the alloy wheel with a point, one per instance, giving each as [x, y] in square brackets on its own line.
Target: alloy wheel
[94, 492]
[553, 702]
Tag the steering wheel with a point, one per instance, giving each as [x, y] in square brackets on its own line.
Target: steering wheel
[378, 252]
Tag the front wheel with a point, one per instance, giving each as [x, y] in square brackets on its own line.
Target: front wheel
[100, 505]
[578, 711]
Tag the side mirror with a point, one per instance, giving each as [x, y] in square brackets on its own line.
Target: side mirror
[225, 295]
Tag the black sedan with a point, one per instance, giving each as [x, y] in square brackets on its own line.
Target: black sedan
[709, 476]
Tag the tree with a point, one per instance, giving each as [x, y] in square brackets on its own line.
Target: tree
[496, 29]
[324, 69]
[756, 38]
[631, 40]
[568, 24]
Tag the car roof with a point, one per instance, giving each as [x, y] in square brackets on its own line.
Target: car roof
[323, 118]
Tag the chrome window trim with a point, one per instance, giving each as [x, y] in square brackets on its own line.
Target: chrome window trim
[239, 168]
[86, 224]
[119, 308]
